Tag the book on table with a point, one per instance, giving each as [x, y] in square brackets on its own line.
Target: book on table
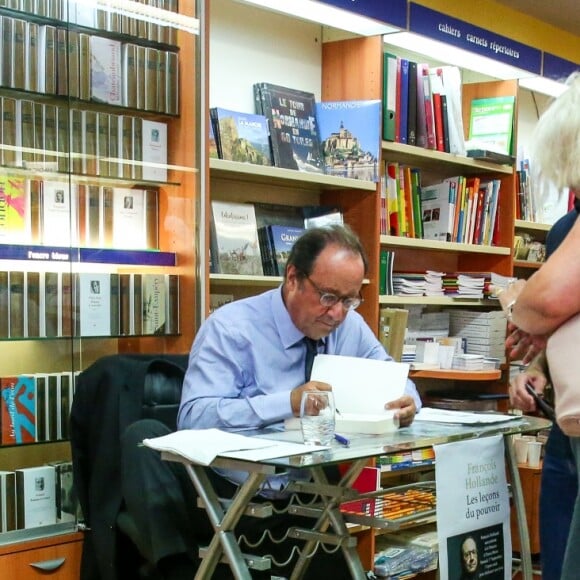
[294, 134]
[242, 137]
[351, 138]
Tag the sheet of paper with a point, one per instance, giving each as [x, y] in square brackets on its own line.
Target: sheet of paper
[275, 449]
[462, 417]
[361, 385]
[204, 445]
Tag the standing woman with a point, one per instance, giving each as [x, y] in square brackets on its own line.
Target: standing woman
[552, 295]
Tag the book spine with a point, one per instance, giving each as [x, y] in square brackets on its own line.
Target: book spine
[7, 47]
[152, 219]
[172, 68]
[31, 56]
[39, 135]
[136, 304]
[125, 302]
[130, 75]
[115, 166]
[172, 293]
[412, 105]
[18, 54]
[32, 302]
[103, 165]
[89, 143]
[16, 304]
[151, 102]
[7, 501]
[47, 77]
[84, 89]
[26, 127]
[404, 100]
[50, 138]
[4, 310]
[115, 305]
[61, 62]
[141, 67]
[9, 131]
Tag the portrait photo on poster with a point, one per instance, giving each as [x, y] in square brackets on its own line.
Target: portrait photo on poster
[477, 554]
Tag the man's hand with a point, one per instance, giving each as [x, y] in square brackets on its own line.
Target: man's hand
[296, 394]
[519, 397]
[405, 409]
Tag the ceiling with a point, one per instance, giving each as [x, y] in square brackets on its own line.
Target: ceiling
[563, 14]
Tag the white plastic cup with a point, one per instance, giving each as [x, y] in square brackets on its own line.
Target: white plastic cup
[317, 417]
[446, 356]
[521, 448]
[534, 453]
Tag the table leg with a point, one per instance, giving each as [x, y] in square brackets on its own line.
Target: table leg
[520, 508]
[331, 515]
[223, 522]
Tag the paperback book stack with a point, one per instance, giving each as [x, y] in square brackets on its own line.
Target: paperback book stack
[275, 245]
[484, 332]
[465, 285]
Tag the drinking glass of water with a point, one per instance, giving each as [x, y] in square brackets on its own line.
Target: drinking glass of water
[317, 417]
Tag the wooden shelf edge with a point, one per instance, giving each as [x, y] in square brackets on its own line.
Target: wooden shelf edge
[438, 301]
[452, 374]
[231, 169]
[525, 225]
[413, 154]
[526, 264]
[443, 246]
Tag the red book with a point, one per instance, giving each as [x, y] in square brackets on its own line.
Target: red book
[17, 410]
[428, 106]
[438, 110]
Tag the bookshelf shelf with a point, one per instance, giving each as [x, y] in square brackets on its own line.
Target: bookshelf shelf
[54, 254]
[454, 375]
[436, 301]
[396, 241]
[438, 161]
[237, 280]
[531, 226]
[279, 176]
[524, 264]
[31, 173]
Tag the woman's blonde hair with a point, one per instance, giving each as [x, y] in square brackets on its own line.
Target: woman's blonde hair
[555, 147]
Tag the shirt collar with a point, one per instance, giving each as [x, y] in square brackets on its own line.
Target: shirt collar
[289, 334]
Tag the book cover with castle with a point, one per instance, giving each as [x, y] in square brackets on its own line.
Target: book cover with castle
[350, 132]
[241, 137]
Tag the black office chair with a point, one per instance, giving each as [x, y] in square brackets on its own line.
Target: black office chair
[110, 395]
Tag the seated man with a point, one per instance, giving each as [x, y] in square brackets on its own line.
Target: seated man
[247, 370]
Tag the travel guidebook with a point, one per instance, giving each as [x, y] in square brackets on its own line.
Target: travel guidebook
[241, 136]
[351, 139]
[294, 131]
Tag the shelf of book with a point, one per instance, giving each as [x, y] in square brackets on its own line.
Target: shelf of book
[441, 162]
[417, 243]
[455, 375]
[437, 301]
[225, 169]
[524, 264]
[531, 226]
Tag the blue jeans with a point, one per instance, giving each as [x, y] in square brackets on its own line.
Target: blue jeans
[560, 515]
[557, 496]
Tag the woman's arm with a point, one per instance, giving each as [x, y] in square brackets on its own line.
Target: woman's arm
[552, 294]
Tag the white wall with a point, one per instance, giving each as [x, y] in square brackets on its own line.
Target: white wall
[249, 45]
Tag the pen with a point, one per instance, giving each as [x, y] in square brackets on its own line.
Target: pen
[342, 439]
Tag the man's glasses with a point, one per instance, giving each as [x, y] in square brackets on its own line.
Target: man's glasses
[328, 299]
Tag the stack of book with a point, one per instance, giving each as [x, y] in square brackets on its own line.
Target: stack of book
[484, 332]
[275, 245]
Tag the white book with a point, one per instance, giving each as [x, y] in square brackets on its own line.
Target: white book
[154, 150]
[106, 71]
[129, 224]
[59, 211]
[94, 301]
[35, 497]
[235, 246]
[436, 211]
[153, 304]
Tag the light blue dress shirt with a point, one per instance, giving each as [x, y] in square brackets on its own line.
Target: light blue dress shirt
[248, 356]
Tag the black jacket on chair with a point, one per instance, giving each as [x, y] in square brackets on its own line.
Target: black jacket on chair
[108, 398]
